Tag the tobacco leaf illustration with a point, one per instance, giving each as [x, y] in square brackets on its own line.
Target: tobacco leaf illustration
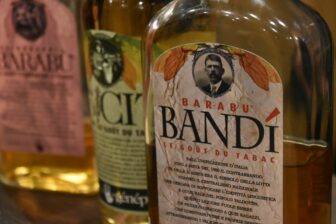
[160, 62]
[171, 63]
[255, 69]
[174, 62]
[273, 76]
[259, 71]
[129, 73]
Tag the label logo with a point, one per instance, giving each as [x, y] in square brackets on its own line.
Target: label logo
[29, 19]
[213, 71]
[106, 60]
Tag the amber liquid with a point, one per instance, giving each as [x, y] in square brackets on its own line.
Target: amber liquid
[51, 172]
[307, 184]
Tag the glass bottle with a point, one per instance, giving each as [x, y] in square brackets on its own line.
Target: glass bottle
[158, 4]
[259, 151]
[46, 137]
[114, 77]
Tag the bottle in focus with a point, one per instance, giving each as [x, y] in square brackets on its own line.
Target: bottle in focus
[238, 105]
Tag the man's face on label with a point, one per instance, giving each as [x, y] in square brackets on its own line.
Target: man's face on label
[214, 71]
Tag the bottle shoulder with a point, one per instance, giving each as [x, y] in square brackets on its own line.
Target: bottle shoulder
[272, 31]
[283, 20]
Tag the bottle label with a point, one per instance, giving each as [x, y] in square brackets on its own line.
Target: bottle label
[40, 98]
[218, 136]
[116, 91]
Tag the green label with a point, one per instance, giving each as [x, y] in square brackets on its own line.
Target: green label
[115, 83]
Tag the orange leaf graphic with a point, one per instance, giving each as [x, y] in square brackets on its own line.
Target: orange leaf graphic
[159, 64]
[129, 73]
[255, 69]
[274, 77]
[174, 62]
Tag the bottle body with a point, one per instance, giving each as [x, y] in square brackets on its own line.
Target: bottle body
[254, 39]
[116, 96]
[46, 139]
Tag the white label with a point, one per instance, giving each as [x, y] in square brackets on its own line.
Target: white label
[218, 136]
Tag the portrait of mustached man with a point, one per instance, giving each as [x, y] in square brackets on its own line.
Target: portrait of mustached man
[215, 72]
[29, 19]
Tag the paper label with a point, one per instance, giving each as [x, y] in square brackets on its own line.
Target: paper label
[40, 97]
[117, 111]
[218, 136]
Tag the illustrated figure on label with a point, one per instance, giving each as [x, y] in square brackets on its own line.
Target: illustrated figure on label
[29, 19]
[106, 61]
[215, 72]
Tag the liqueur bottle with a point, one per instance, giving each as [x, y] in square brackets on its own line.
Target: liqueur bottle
[238, 105]
[45, 131]
[115, 80]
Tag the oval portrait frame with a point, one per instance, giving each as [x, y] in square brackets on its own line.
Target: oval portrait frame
[198, 69]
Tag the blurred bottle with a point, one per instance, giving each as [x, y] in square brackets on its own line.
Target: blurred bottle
[112, 47]
[45, 131]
